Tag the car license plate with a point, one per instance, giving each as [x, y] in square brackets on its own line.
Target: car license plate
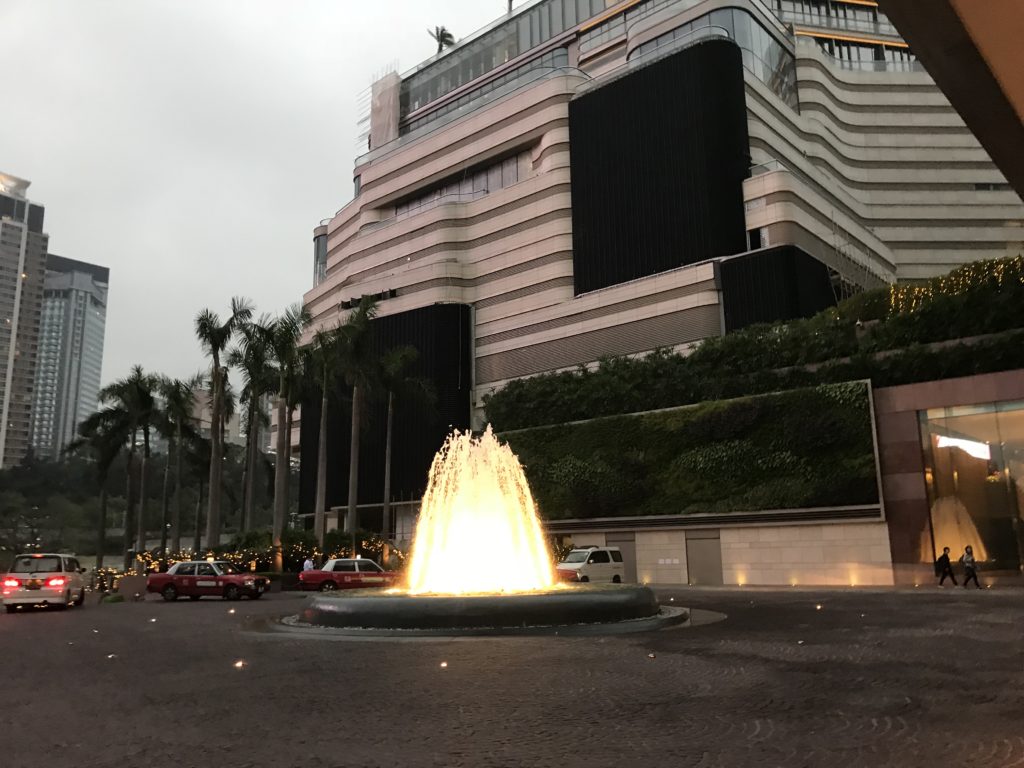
[33, 584]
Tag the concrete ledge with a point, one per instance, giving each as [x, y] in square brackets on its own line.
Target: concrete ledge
[565, 606]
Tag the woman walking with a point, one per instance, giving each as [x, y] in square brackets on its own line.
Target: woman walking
[970, 567]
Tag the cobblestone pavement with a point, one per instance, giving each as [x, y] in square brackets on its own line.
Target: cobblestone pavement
[903, 679]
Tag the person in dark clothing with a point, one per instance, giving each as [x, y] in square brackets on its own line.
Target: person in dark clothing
[944, 568]
[970, 566]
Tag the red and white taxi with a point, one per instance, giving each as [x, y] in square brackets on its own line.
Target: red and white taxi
[345, 573]
[201, 578]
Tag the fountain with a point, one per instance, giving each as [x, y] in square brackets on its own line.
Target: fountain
[480, 563]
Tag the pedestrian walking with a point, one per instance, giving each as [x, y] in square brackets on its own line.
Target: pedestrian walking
[308, 565]
[970, 567]
[944, 568]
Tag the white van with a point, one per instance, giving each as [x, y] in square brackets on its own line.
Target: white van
[42, 579]
[592, 564]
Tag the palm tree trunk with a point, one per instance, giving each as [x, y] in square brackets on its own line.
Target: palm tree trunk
[165, 510]
[176, 514]
[101, 529]
[140, 536]
[197, 542]
[129, 500]
[280, 477]
[216, 456]
[386, 521]
[319, 519]
[249, 489]
[353, 467]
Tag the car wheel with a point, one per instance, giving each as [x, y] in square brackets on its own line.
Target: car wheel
[616, 580]
[585, 579]
[80, 602]
[63, 605]
[328, 586]
[231, 592]
[170, 593]
[255, 595]
[11, 608]
[193, 597]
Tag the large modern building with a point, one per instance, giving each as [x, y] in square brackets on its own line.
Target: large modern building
[70, 362]
[23, 247]
[586, 178]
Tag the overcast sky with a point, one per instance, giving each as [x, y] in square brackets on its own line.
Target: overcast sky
[192, 145]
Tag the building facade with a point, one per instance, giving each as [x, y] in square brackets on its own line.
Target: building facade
[70, 363]
[23, 245]
[588, 178]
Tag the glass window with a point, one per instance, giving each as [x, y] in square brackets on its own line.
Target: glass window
[368, 566]
[616, 556]
[974, 472]
[347, 566]
[509, 172]
[185, 569]
[36, 564]
[599, 557]
[205, 569]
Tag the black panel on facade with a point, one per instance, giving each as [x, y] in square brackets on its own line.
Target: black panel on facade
[441, 334]
[781, 283]
[35, 218]
[658, 162]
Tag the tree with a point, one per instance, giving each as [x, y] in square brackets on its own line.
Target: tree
[214, 336]
[395, 380]
[442, 37]
[325, 357]
[179, 400]
[254, 358]
[104, 443]
[287, 330]
[357, 362]
[128, 408]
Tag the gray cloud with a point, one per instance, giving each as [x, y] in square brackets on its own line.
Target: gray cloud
[192, 145]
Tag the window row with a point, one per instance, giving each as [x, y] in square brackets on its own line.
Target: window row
[499, 46]
[763, 54]
[469, 186]
[616, 26]
[550, 60]
[871, 56]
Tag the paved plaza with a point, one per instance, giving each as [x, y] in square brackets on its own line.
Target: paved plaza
[913, 678]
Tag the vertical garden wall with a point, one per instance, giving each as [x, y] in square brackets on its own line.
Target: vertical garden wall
[802, 448]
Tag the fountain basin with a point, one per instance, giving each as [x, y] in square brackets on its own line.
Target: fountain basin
[583, 604]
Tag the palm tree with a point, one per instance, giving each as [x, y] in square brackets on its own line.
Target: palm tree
[179, 400]
[253, 357]
[104, 441]
[442, 37]
[359, 367]
[128, 408]
[287, 331]
[214, 336]
[395, 380]
[326, 353]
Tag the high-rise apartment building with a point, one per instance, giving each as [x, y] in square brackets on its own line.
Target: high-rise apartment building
[69, 367]
[22, 267]
[586, 178]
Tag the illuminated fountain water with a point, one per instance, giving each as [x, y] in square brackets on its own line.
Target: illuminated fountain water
[478, 530]
[480, 563]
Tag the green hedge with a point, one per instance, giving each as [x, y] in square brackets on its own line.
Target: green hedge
[796, 449]
[878, 335]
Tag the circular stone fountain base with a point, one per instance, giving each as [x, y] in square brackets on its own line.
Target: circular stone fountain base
[455, 614]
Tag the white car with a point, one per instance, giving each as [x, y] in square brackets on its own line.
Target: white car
[42, 579]
[597, 564]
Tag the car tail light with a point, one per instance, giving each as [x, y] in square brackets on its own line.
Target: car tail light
[11, 583]
[56, 581]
